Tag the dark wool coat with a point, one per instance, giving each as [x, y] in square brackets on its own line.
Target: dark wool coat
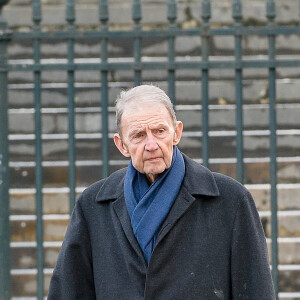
[211, 246]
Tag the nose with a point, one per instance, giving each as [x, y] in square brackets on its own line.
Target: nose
[151, 144]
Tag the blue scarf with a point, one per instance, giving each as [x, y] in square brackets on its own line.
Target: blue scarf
[148, 205]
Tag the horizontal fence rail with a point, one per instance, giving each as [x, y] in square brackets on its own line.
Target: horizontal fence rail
[137, 64]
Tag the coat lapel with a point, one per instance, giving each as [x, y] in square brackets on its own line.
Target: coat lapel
[122, 213]
[182, 203]
[198, 181]
[113, 190]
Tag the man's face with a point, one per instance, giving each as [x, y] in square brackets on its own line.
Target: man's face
[148, 137]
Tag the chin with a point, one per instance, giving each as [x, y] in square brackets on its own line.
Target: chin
[155, 172]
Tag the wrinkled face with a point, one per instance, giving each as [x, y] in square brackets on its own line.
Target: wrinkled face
[148, 137]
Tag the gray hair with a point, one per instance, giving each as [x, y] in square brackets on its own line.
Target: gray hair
[143, 94]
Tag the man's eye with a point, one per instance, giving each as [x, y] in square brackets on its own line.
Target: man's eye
[138, 135]
[160, 131]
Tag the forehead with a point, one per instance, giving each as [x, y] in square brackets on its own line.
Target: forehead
[145, 114]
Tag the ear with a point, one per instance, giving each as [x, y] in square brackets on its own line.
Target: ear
[120, 145]
[178, 133]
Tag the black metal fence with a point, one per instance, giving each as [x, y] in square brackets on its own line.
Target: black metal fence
[137, 64]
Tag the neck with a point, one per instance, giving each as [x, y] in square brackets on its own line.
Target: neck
[151, 177]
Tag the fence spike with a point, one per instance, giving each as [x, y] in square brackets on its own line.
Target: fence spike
[2, 3]
[3, 22]
[103, 11]
[271, 10]
[136, 11]
[70, 11]
[172, 11]
[206, 10]
[36, 12]
[237, 10]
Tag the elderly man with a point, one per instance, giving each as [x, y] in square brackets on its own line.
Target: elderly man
[163, 228]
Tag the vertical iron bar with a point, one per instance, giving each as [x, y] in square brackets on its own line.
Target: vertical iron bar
[37, 17]
[172, 16]
[70, 18]
[271, 14]
[206, 14]
[237, 16]
[103, 16]
[5, 281]
[137, 16]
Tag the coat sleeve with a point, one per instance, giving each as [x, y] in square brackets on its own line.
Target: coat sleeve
[250, 271]
[73, 274]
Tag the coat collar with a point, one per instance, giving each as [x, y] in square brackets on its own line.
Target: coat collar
[113, 186]
[198, 180]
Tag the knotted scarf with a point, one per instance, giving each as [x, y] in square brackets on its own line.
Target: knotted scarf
[148, 205]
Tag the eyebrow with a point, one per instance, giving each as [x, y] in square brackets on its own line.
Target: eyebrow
[135, 131]
[158, 125]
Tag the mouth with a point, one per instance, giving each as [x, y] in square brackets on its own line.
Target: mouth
[153, 159]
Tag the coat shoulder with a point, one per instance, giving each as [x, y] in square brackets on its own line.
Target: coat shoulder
[229, 186]
[104, 189]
